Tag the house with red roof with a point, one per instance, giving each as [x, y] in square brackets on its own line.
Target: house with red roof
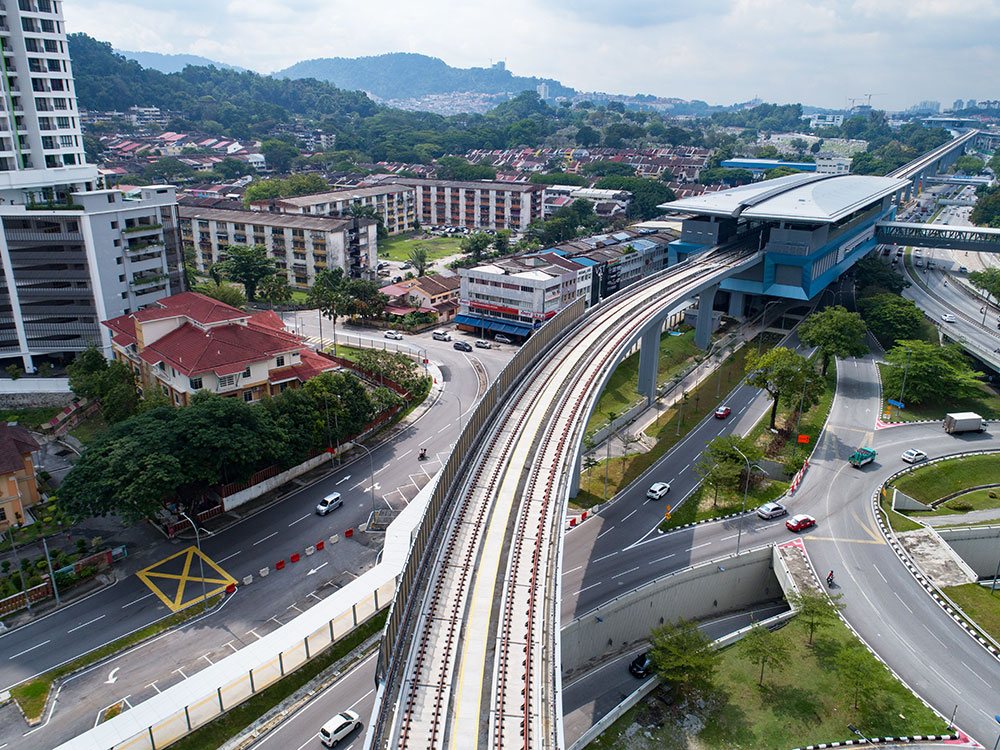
[18, 485]
[188, 342]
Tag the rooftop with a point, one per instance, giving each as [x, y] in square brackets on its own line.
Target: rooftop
[805, 197]
[15, 443]
[290, 221]
[337, 195]
[517, 187]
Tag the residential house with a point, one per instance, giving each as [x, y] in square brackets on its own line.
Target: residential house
[18, 486]
[435, 295]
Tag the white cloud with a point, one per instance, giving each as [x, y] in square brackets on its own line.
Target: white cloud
[814, 51]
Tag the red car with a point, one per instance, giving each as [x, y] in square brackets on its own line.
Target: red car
[800, 522]
[722, 412]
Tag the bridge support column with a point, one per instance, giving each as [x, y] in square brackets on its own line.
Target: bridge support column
[736, 304]
[649, 362]
[574, 479]
[703, 328]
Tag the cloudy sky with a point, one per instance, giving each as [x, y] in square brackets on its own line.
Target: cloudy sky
[815, 51]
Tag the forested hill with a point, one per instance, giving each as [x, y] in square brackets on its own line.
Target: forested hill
[238, 103]
[173, 63]
[401, 75]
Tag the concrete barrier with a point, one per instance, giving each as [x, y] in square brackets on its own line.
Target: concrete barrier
[250, 493]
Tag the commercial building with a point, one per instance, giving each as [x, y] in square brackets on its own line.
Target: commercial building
[71, 254]
[395, 205]
[830, 163]
[301, 245]
[475, 205]
[824, 121]
[189, 343]
[18, 484]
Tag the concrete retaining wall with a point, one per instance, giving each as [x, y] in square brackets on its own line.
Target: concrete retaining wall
[978, 546]
[250, 493]
[33, 399]
[708, 590]
[902, 501]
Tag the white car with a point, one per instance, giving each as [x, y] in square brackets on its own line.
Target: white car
[393, 335]
[949, 318]
[658, 491]
[339, 727]
[502, 339]
[328, 503]
[771, 510]
[914, 456]
[482, 344]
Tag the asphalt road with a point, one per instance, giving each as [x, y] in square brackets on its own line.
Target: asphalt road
[258, 541]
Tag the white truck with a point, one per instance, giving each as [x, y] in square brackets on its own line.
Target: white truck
[964, 421]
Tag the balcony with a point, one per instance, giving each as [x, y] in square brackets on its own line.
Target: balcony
[139, 228]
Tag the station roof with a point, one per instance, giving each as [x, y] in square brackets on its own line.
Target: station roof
[807, 197]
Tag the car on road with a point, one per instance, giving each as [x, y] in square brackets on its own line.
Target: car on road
[914, 456]
[339, 727]
[641, 666]
[658, 490]
[382, 264]
[405, 265]
[462, 346]
[502, 339]
[328, 503]
[963, 269]
[800, 522]
[771, 510]
[441, 336]
[949, 318]
[482, 344]
[722, 412]
[393, 335]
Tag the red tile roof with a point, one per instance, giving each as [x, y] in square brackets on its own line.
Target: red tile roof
[197, 307]
[15, 443]
[312, 364]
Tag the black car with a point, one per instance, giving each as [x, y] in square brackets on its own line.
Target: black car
[641, 666]
[463, 346]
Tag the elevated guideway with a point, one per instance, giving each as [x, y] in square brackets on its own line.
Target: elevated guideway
[931, 162]
[473, 658]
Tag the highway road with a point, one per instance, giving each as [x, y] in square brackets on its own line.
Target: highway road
[258, 541]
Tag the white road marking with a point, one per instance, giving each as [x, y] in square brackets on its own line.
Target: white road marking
[697, 546]
[661, 559]
[605, 557]
[977, 675]
[903, 603]
[625, 573]
[587, 588]
[631, 514]
[934, 636]
[136, 601]
[731, 536]
[91, 622]
[153, 685]
[567, 572]
[228, 557]
[685, 468]
[401, 455]
[880, 573]
[307, 515]
[205, 657]
[259, 541]
[253, 632]
[605, 532]
[181, 672]
[344, 479]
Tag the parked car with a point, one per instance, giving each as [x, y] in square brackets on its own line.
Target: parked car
[800, 522]
[339, 727]
[382, 264]
[462, 346]
[441, 336]
[393, 335]
[914, 456]
[482, 344]
[502, 339]
[771, 510]
[658, 491]
[949, 318]
[641, 666]
[722, 412]
[328, 503]
[404, 265]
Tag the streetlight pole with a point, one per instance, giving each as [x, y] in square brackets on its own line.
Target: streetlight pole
[17, 562]
[906, 368]
[997, 743]
[201, 560]
[763, 321]
[743, 508]
[861, 734]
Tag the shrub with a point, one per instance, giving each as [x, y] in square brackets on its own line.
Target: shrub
[81, 545]
[992, 495]
[959, 505]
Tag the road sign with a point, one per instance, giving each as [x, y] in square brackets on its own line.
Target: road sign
[666, 513]
[803, 439]
[897, 404]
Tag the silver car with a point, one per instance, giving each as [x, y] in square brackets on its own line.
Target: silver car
[771, 510]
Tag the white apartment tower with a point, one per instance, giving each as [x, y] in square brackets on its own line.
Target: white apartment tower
[71, 253]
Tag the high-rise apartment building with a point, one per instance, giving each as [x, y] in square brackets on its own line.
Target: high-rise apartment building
[71, 254]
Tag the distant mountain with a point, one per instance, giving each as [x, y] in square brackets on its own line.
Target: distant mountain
[172, 63]
[403, 75]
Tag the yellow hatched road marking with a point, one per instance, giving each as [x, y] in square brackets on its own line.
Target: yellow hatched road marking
[161, 570]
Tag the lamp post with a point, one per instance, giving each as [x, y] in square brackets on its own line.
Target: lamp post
[860, 734]
[906, 367]
[763, 321]
[743, 507]
[201, 560]
[996, 744]
[17, 562]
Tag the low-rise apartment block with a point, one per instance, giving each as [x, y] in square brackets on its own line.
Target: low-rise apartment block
[395, 205]
[189, 343]
[18, 484]
[475, 205]
[301, 245]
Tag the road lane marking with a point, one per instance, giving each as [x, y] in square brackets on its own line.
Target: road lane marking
[260, 541]
[344, 479]
[697, 546]
[180, 569]
[882, 576]
[403, 455]
[567, 572]
[903, 603]
[577, 593]
[605, 557]
[630, 514]
[605, 532]
[839, 540]
[661, 559]
[22, 653]
[230, 557]
[136, 601]
[977, 675]
[935, 637]
[90, 622]
[625, 573]
[307, 515]
[205, 657]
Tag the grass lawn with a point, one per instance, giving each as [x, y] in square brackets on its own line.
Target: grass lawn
[932, 482]
[979, 604]
[670, 427]
[986, 405]
[398, 248]
[31, 695]
[701, 505]
[975, 500]
[807, 702]
[215, 733]
[30, 418]
[621, 394]
[90, 428]
[299, 297]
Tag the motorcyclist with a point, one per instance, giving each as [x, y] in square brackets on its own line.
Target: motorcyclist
[422, 455]
[829, 578]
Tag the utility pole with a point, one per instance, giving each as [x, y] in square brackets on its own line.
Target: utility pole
[52, 575]
[17, 562]
[906, 367]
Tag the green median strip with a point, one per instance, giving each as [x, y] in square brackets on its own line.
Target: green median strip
[32, 695]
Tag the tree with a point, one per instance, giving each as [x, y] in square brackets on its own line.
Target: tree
[814, 609]
[931, 372]
[274, 289]
[278, 154]
[987, 280]
[419, 258]
[327, 294]
[721, 466]
[231, 169]
[86, 372]
[364, 300]
[457, 168]
[647, 195]
[732, 177]
[775, 172]
[874, 276]
[248, 266]
[762, 647]
[501, 241]
[986, 212]
[587, 136]
[836, 331]
[605, 168]
[786, 375]
[683, 656]
[968, 164]
[861, 676]
[475, 244]
[891, 317]
[228, 294]
[168, 169]
[119, 397]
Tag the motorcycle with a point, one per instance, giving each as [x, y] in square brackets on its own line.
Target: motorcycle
[422, 456]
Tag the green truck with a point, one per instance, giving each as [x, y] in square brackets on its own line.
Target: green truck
[862, 456]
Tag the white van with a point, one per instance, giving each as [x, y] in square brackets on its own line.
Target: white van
[441, 336]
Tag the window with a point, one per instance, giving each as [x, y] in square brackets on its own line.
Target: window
[246, 373]
[248, 396]
[280, 361]
[227, 381]
[195, 384]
